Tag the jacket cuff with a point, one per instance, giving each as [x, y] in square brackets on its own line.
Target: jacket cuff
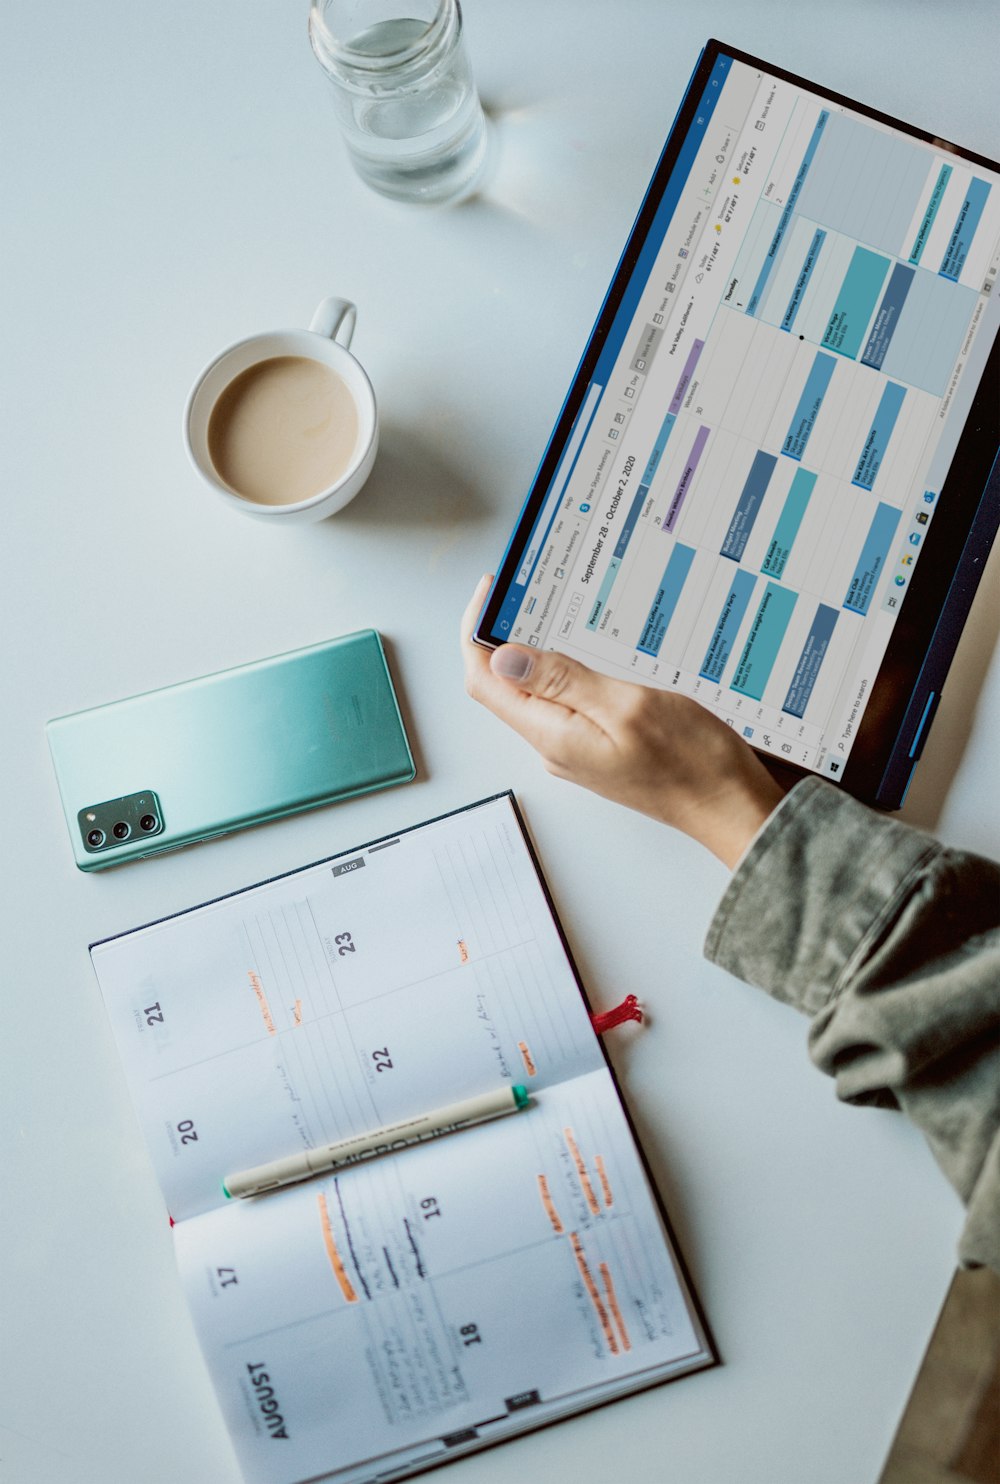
[809, 896]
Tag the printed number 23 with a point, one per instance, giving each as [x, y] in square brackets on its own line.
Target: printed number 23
[345, 943]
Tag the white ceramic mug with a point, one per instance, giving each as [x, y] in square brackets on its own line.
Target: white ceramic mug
[326, 340]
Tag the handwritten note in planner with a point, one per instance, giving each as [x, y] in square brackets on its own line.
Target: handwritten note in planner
[441, 1297]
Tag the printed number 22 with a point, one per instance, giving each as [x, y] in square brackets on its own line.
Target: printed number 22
[345, 944]
[382, 1060]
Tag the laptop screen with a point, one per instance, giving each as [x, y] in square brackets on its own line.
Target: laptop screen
[747, 472]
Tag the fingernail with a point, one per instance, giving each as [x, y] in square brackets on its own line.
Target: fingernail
[512, 664]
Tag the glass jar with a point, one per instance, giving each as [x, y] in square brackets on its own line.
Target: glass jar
[404, 94]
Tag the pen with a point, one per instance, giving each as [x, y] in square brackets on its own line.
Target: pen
[379, 1141]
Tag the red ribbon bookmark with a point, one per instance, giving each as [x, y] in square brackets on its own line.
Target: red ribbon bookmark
[629, 1009]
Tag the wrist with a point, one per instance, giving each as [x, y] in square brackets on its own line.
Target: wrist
[726, 820]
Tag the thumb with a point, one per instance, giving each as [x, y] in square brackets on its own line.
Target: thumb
[552, 677]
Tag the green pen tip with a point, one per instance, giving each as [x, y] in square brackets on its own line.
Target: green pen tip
[521, 1098]
[225, 1192]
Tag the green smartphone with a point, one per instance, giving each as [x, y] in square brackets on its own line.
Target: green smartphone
[199, 759]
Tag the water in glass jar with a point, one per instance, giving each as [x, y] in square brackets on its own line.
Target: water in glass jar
[425, 143]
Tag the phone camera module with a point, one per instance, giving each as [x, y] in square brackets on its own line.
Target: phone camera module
[123, 821]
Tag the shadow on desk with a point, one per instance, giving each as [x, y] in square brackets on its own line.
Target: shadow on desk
[412, 487]
[950, 1432]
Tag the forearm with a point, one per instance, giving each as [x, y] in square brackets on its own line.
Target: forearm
[891, 943]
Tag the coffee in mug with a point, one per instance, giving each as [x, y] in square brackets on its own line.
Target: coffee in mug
[284, 425]
[283, 431]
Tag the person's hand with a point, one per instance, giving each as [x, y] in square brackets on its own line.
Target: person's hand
[660, 753]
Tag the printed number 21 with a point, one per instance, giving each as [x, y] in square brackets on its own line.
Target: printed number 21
[345, 944]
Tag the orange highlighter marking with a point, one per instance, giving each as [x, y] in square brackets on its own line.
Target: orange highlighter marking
[463, 950]
[581, 1170]
[602, 1175]
[265, 1008]
[526, 1057]
[548, 1203]
[297, 1016]
[346, 1287]
[609, 1289]
[595, 1297]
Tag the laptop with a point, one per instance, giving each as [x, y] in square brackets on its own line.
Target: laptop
[773, 483]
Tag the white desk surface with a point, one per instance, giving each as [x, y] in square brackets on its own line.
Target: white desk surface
[173, 179]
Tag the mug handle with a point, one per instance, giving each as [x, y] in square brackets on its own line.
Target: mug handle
[335, 318]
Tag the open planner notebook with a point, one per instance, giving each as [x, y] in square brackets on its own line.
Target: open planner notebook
[368, 1323]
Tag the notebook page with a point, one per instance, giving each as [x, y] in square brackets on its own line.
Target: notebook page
[460, 1291]
[386, 983]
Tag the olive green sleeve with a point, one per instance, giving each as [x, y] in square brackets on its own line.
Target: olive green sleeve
[891, 943]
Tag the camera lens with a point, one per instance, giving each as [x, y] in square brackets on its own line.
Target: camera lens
[147, 822]
[95, 838]
[121, 830]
